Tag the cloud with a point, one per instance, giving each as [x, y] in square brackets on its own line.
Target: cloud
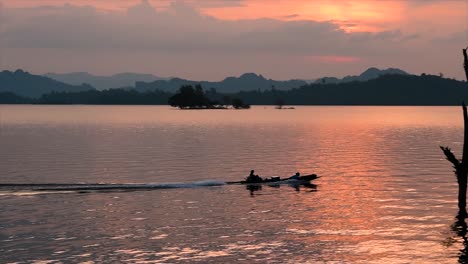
[181, 33]
[457, 37]
[216, 3]
[290, 16]
[333, 59]
[181, 28]
[144, 9]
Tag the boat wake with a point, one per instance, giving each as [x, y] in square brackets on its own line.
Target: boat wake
[8, 189]
[82, 187]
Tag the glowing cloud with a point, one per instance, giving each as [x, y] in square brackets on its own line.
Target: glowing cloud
[331, 59]
[277, 38]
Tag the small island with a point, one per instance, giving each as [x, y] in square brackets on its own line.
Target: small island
[189, 97]
[280, 105]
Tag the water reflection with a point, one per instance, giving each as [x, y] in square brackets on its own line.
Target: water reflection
[297, 186]
[252, 188]
[459, 227]
[384, 198]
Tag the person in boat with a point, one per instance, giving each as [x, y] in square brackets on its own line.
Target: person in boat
[295, 176]
[253, 178]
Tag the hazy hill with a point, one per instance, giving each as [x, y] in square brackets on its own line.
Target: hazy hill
[389, 89]
[394, 89]
[103, 82]
[33, 86]
[12, 98]
[369, 74]
[246, 82]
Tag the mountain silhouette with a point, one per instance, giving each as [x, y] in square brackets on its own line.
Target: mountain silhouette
[103, 82]
[245, 82]
[390, 89]
[369, 74]
[12, 98]
[28, 85]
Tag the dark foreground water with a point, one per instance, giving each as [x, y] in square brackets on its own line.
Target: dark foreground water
[386, 194]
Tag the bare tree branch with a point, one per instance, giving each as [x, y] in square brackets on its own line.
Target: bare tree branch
[451, 157]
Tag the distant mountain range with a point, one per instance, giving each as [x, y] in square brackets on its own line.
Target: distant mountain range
[245, 82]
[369, 74]
[393, 89]
[389, 89]
[104, 82]
[33, 86]
[28, 85]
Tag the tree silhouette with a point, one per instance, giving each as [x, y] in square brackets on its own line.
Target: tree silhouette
[461, 166]
[239, 104]
[192, 98]
[280, 103]
[227, 100]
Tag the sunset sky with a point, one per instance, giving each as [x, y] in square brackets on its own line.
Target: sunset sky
[213, 39]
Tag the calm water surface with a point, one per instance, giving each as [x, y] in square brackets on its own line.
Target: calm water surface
[386, 194]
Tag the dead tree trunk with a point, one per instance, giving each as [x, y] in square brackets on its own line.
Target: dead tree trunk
[465, 63]
[461, 167]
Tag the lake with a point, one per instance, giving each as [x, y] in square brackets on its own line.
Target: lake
[386, 194]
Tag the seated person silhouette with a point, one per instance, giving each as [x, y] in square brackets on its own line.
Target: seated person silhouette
[295, 176]
[252, 178]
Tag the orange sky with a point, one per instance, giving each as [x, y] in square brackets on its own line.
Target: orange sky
[352, 15]
[367, 14]
[409, 34]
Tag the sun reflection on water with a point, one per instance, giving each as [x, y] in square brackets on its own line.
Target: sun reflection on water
[385, 194]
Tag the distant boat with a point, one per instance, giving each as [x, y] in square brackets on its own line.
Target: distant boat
[281, 108]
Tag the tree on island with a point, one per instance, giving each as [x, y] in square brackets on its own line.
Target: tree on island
[227, 100]
[239, 104]
[191, 98]
[280, 103]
